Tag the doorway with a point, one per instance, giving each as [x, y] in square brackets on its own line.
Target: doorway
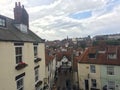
[86, 85]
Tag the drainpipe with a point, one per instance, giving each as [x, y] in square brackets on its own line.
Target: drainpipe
[88, 81]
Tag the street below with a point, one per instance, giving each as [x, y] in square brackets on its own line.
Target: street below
[63, 80]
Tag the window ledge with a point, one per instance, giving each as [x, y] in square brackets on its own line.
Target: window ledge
[21, 65]
[110, 75]
[94, 88]
[38, 83]
[37, 60]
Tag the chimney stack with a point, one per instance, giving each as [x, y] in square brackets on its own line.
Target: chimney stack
[15, 4]
[20, 14]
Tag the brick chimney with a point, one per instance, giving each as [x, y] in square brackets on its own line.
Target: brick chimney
[21, 15]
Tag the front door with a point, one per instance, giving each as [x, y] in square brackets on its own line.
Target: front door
[86, 85]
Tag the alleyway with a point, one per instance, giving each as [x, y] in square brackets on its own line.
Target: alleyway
[64, 81]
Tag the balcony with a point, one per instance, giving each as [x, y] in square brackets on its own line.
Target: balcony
[37, 60]
[21, 65]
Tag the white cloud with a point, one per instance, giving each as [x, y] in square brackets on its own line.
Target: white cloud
[51, 20]
[55, 17]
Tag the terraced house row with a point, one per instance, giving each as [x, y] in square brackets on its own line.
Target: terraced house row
[99, 68]
[22, 53]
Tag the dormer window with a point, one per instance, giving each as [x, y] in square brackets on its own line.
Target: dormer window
[92, 55]
[2, 22]
[112, 53]
[112, 56]
[21, 27]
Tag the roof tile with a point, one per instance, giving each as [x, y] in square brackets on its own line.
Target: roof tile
[101, 58]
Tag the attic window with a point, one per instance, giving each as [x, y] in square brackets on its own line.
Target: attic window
[2, 22]
[22, 27]
[112, 56]
[92, 55]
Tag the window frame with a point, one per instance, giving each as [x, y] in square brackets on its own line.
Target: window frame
[22, 85]
[92, 69]
[2, 22]
[109, 72]
[36, 74]
[113, 85]
[35, 51]
[20, 54]
[112, 56]
[94, 83]
[93, 54]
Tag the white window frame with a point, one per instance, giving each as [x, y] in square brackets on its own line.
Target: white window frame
[92, 69]
[36, 74]
[18, 55]
[112, 56]
[110, 70]
[35, 51]
[93, 81]
[22, 85]
[111, 84]
[2, 22]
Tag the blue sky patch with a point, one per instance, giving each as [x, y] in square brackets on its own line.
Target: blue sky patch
[112, 4]
[113, 1]
[81, 15]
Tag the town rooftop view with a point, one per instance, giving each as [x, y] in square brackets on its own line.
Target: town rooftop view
[60, 45]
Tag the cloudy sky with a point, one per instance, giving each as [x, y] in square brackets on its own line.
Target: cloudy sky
[57, 19]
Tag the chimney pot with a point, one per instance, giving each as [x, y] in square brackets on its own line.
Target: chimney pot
[19, 4]
[15, 4]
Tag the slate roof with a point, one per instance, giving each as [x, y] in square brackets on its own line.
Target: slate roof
[101, 58]
[11, 33]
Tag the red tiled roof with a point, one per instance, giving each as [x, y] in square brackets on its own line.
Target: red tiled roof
[101, 58]
[59, 55]
[92, 50]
